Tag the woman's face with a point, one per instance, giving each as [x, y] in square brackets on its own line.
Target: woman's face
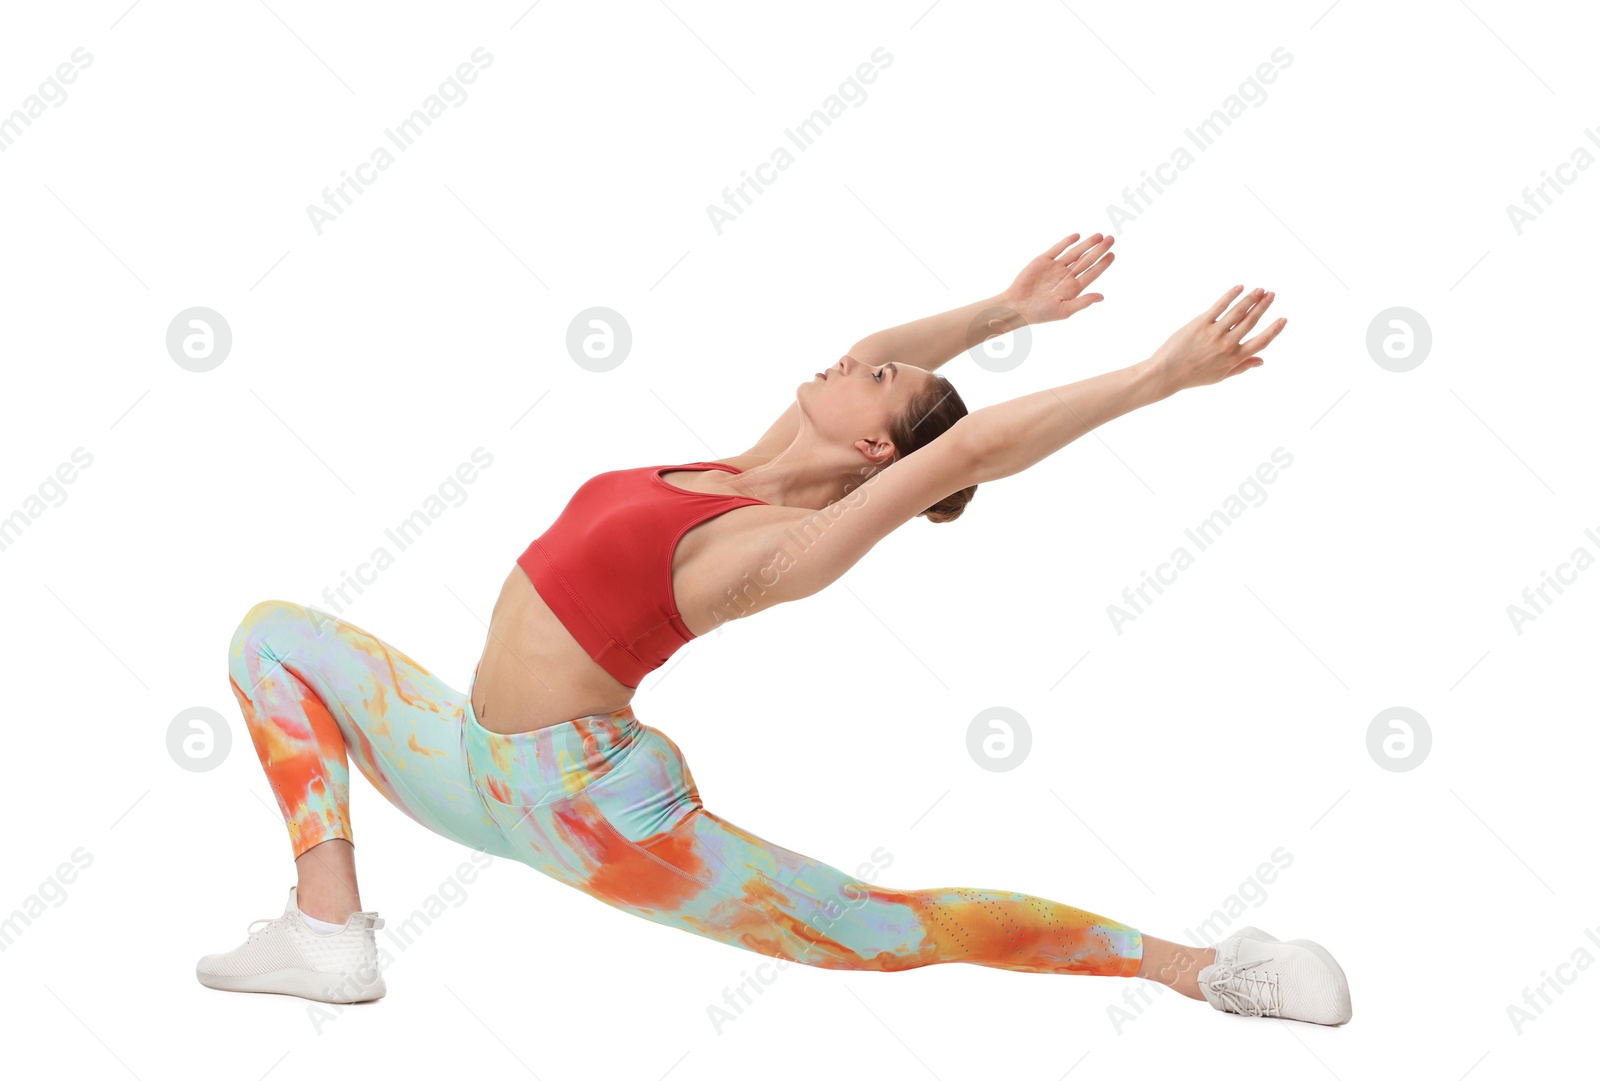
[852, 401]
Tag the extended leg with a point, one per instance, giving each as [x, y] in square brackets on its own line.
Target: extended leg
[741, 889]
[637, 836]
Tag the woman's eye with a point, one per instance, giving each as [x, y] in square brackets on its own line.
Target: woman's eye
[878, 375]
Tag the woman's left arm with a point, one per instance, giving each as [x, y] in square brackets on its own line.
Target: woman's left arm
[1050, 287]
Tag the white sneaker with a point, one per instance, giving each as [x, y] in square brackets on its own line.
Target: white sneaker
[1258, 976]
[287, 957]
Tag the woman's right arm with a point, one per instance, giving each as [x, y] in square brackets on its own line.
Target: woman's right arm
[806, 552]
[1009, 437]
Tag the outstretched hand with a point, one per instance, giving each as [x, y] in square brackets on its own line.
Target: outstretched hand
[1211, 346]
[1051, 285]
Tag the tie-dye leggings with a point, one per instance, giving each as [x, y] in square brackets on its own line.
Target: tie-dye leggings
[607, 805]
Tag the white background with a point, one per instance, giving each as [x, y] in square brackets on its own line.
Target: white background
[1230, 720]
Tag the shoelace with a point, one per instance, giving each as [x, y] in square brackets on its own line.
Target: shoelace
[1246, 992]
[370, 921]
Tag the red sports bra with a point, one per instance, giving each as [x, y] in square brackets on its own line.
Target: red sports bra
[605, 566]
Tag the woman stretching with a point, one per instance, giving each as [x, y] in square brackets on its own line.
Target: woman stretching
[544, 761]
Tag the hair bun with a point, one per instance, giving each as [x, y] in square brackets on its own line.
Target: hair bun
[950, 507]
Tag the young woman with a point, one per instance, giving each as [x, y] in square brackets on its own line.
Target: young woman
[544, 761]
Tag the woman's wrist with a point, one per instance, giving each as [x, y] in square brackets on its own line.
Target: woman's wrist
[1151, 380]
[992, 317]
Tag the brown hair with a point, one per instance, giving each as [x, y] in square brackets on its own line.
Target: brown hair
[930, 415]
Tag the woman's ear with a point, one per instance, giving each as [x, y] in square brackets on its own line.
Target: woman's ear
[878, 451]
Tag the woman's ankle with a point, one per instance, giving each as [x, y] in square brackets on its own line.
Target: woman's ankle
[327, 909]
[326, 886]
[1175, 966]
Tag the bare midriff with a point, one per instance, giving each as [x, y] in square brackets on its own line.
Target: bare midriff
[534, 674]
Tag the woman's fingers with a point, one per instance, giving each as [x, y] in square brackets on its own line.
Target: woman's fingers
[1088, 258]
[1242, 327]
[1075, 252]
[1089, 266]
[1073, 307]
[1061, 247]
[1262, 340]
[1236, 313]
[1243, 366]
[1211, 313]
[1099, 268]
[1080, 266]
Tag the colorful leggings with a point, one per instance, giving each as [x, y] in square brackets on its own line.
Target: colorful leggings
[607, 805]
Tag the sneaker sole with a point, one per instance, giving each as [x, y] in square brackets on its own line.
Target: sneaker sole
[301, 982]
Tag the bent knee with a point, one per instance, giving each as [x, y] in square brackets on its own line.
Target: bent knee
[262, 621]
